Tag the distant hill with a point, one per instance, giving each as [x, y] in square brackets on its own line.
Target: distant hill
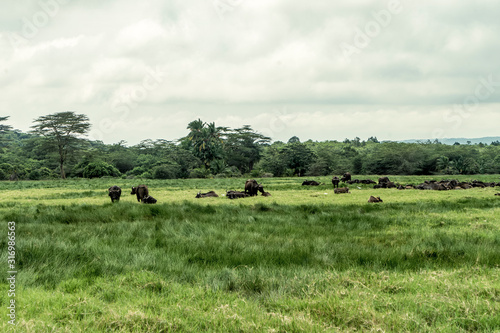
[463, 141]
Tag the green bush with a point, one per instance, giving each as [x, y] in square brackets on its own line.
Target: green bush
[199, 173]
[146, 175]
[47, 173]
[229, 172]
[137, 171]
[166, 171]
[3, 175]
[100, 169]
[35, 175]
[6, 167]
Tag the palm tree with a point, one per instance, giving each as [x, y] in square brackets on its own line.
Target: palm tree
[206, 141]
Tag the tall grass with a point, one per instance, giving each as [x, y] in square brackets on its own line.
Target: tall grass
[301, 260]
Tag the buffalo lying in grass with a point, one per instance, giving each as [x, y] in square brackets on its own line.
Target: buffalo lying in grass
[210, 194]
[341, 190]
[374, 199]
[385, 185]
[236, 195]
[310, 183]
[149, 200]
[266, 194]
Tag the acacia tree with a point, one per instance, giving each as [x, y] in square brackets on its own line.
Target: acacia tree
[61, 130]
[243, 147]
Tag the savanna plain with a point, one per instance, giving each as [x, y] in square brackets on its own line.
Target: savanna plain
[303, 260]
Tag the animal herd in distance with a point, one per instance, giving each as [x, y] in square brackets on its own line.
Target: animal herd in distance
[252, 188]
[141, 192]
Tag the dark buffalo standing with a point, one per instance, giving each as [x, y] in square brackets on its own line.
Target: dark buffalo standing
[114, 193]
[140, 191]
[149, 200]
[252, 187]
[310, 183]
[341, 190]
[374, 199]
[382, 180]
[207, 195]
[346, 177]
[236, 194]
[335, 181]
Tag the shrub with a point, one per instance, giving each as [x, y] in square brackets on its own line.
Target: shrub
[137, 171]
[146, 175]
[6, 167]
[35, 175]
[255, 173]
[47, 173]
[229, 172]
[100, 169]
[3, 175]
[166, 171]
[199, 173]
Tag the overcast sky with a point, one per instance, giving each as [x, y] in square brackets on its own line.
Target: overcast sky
[321, 70]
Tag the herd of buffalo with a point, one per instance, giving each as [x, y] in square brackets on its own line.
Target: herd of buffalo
[252, 188]
[141, 192]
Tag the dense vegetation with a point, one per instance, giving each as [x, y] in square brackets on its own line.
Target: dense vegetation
[303, 260]
[210, 151]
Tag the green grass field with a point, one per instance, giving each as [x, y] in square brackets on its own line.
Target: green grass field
[302, 260]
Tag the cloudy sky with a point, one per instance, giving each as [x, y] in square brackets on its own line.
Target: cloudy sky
[321, 70]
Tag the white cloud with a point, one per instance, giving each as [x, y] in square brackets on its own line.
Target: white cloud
[240, 66]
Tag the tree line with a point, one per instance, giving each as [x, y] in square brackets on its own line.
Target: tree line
[56, 147]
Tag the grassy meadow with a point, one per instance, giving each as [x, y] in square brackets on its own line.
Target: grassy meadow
[302, 260]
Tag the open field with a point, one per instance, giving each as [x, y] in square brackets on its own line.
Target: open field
[303, 259]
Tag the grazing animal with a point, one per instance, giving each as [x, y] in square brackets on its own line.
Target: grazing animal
[114, 193]
[140, 191]
[236, 194]
[149, 200]
[497, 193]
[382, 180]
[252, 187]
[374, 199]
[346, 177]
[310, 182]
[266, 194]
[207, 195]
[335, 181]
[341, 190]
